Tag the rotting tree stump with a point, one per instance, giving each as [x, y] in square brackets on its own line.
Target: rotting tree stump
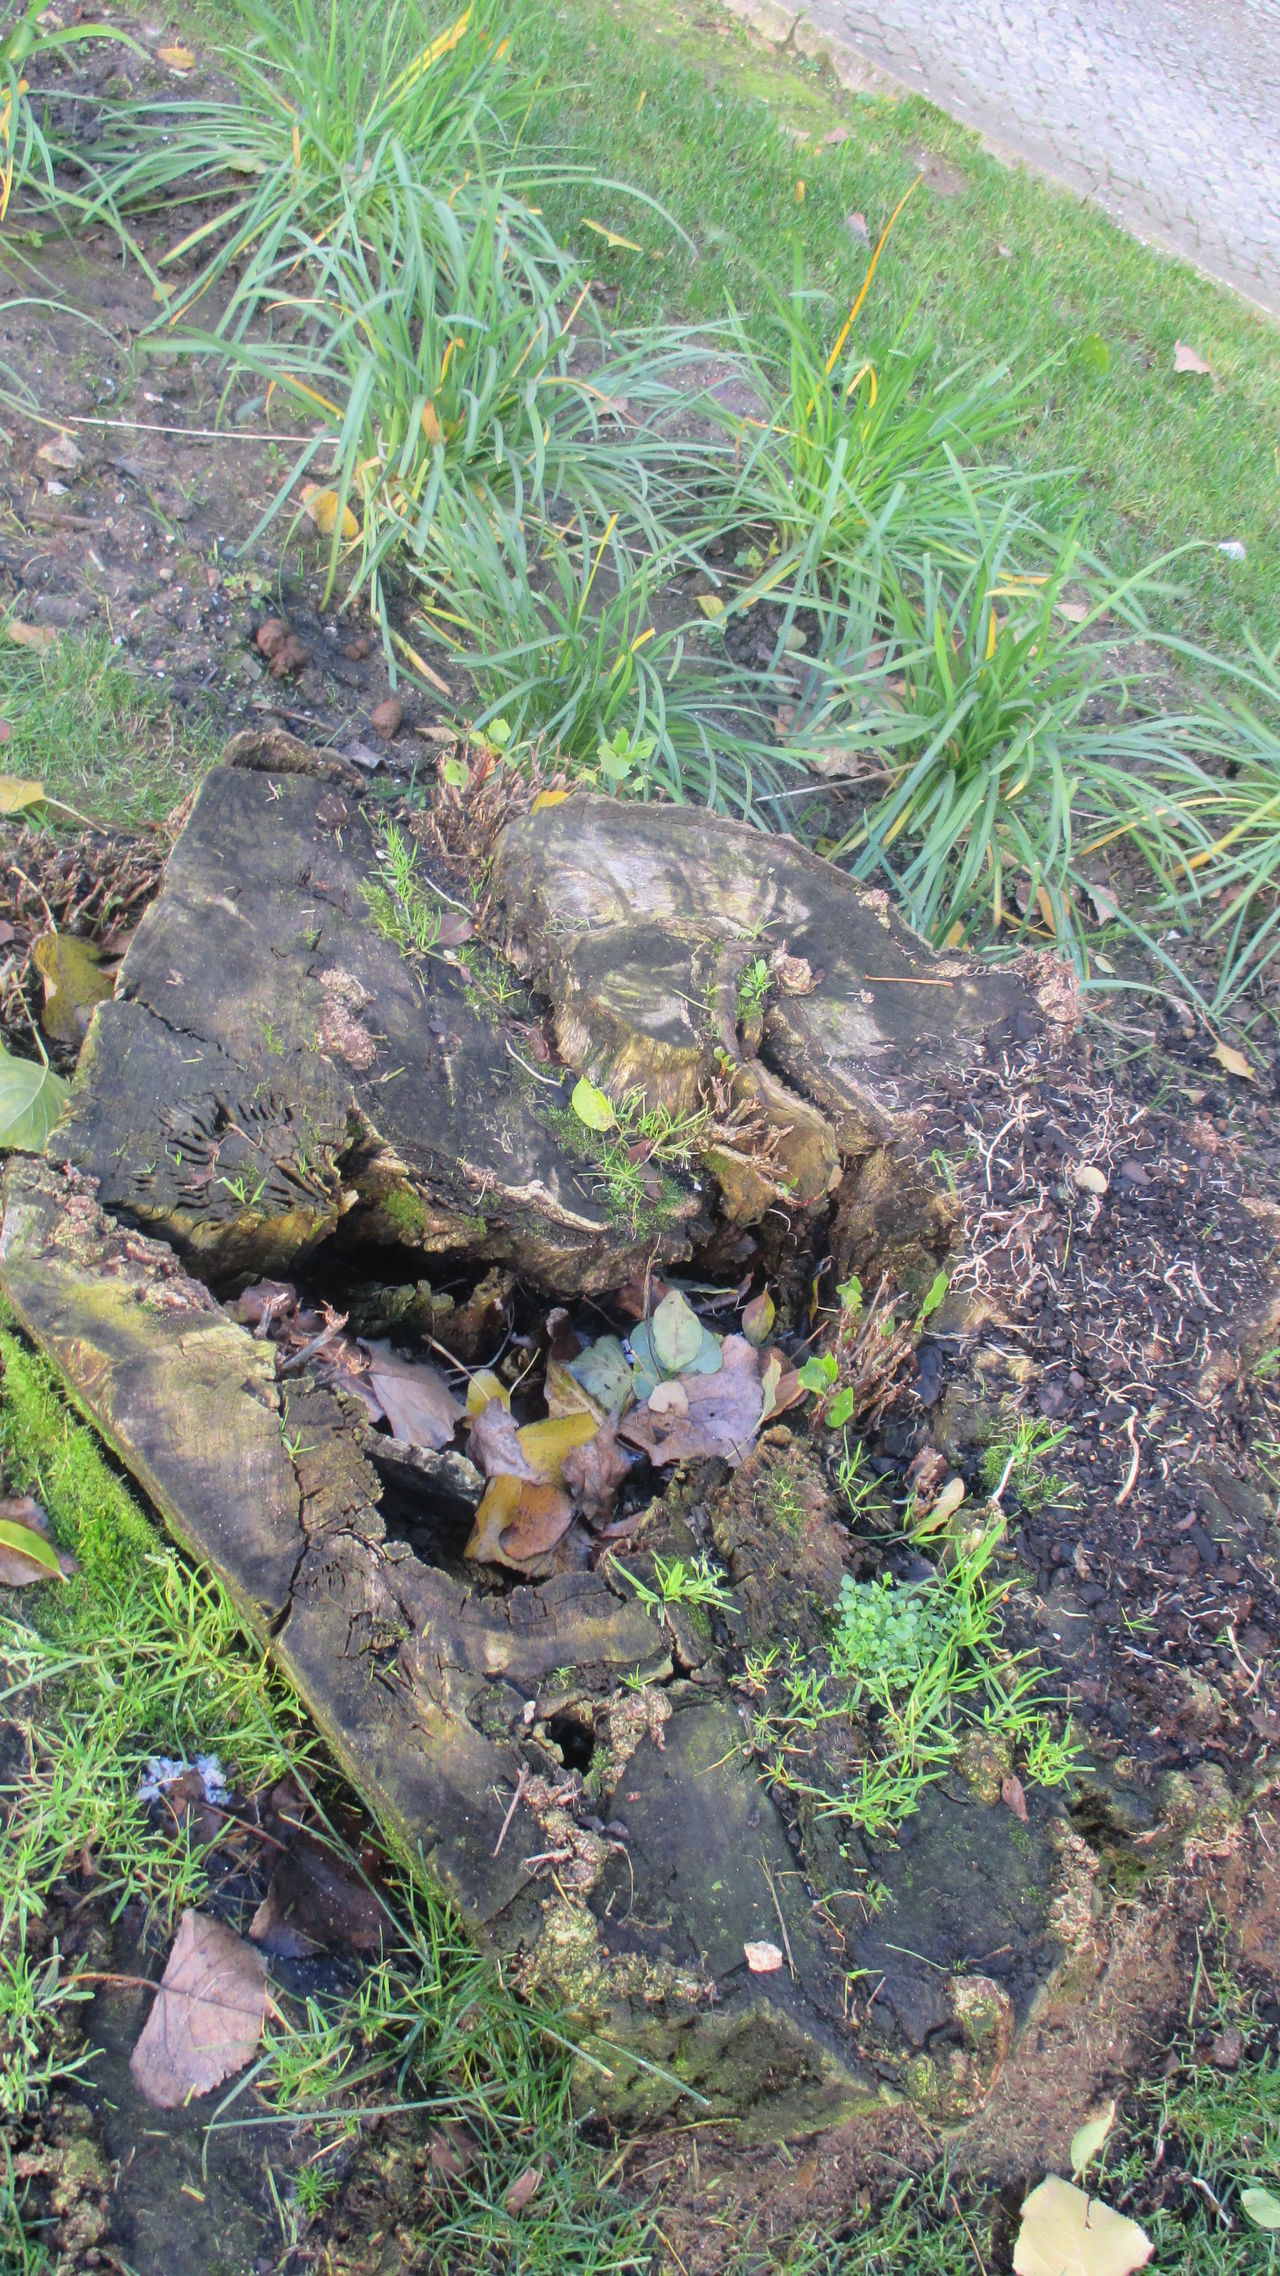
[276, 1085]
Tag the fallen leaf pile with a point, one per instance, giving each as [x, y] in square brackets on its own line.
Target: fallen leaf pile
[673, 1391]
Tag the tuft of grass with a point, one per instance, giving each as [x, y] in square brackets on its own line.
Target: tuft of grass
[97, 735]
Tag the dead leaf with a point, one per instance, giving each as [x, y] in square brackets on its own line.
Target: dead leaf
[757, 1318]
[763, 1959]
[19, 797]
[936, 1515]
[524, 2187]
[1234, 1061]
[856, 224]
[38, 636]
[780, 1386]
[267, 1301]
[594, 1472]
[669, 1399]
[1185, 358]
[497, 1511]
[1088, 2139]
[494, 1444]
[322, 507]
[711, 605]
[63, 452]
[543, 1513]
[316, 1901]
[611, 237]
[177, 58]
[564, 1393]
[724, 1413]
[386, 718]
[1072, 612]
[207, 2016]
[414, 1397]
[27, 1553]
[1014, 1799]
[1065, 2233]
[74, 982]
[544, 1445]
[1106, 908]
[483, 1386]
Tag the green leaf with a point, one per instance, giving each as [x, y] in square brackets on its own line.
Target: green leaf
[603, 1373]
[937, 1290]
[592, 1106]
[498, 732]
[456, 773]
[676, 1333]
[31, 1099]
[841, 1407]
[1262, 2208]
[818, 1373]
[1092, 354]
[24, 1541]
[1088, 2139]
[850, 1294]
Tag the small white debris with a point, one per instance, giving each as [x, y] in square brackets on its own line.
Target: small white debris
[164, 1770]
[1089, 1177]
[1233, 548]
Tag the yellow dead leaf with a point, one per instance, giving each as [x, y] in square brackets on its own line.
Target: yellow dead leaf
[548, 798]
[321, 507]
[1234, 1061]
[1045, 907]
[1066, 2233]
[611, 237]
[18, 797]
[177, 58]
[544, 1445]
[431, 426]
[483, 1387]
[565, 1395]
[38, 636]
[711, 604]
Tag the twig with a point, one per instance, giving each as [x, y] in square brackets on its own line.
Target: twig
[521, 1782]
[786, 1940]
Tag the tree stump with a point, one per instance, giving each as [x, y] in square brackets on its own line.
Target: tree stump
[278, 1085]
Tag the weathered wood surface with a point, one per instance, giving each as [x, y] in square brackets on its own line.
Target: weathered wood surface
[640, 923]
[272, 1066]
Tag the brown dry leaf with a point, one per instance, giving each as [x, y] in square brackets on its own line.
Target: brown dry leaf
[669, 1399]
[316, 1901]
[543, 1513]
[1065, 2233]
[757, 1318]
[724, 1413]
[1234, 1061]
[26, 1552]
[387, 717]
[322, 507]
[594, 1472]
[1014, 1799]
[1106, 908]
[494, 1444]
[522, 2189]
[414, 1397]
[1072, 612]
[267, 1301]
[936, 1515]
[39, 636]
[207, 2016]
[1185, 358]
[763, 1959]
[780, 1386]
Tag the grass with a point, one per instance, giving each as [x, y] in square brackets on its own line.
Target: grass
[1006, 269]
[95, 733]
[139, 1655]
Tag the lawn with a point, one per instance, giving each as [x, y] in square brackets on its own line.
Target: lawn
[762, 159]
